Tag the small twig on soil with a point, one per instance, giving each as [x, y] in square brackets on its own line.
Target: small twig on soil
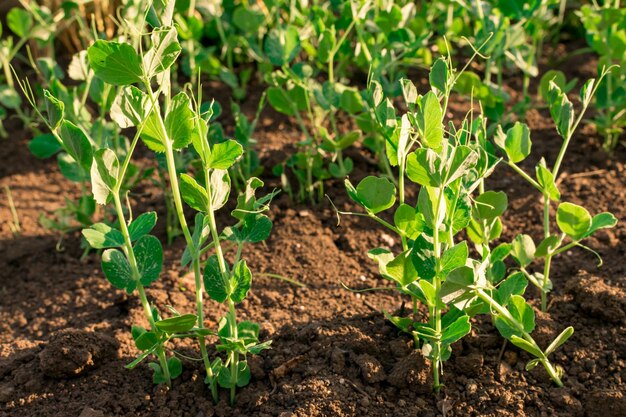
[356, 387]
[504, 343]
[372, 307]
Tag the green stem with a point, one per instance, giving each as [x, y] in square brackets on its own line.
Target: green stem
[554, 375]
[130, 254]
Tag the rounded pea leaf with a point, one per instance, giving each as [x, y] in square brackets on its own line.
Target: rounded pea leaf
[20, 22]
[459, 328]
[179, 121]
[423, 167]
[438, 76]
[240, 282]
[164, 52]
[523, 249]
[573, 220]
[256, 228]
[44, 146]
[491, 204]
[117, 270]
[142, 225]
[149, 256]
[104, 173]
[76, 144]
[177, 324]
[115, 63]
[408, 221]
[429, 119]
[193, 194]
[601, 221]
[215, 283]
[102, 236]
[225, 154]
[279, 101]
[374, 193]
[517, 143]
[282, 45]
[146, 340]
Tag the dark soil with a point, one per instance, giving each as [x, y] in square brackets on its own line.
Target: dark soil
[65, 331]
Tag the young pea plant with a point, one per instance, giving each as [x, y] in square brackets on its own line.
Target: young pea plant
[605, 33]
[167, 129]
[435, 266]
[224, 283]
[574, 222]
[295, 92]
[137, 264]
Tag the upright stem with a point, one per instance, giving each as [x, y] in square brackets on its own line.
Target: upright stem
[437, 281]
[128, 249]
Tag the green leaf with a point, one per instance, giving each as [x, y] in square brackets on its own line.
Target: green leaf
[351, 101]
[130, 107]
[547, 182]
[527, 346]
[76, 144]
[104, 174]
[115, 63]
[409, 92]
[256, 228]
[175, 366]
[44, 146]
[561, 110]
[573, 220]
[248, 20]
[559, 340]
[522, 312]
[438, 76]
[547, 246]
[455, 257]
[401, 269]
[282, 45]
[177, 324]
[179, 122]
[55, 110]
[517, 143]
[70, 168]
[240, 282]
[149, 257]
[225, 154]
[102, 236]
[142, 225]
[146, 340]
[408, 221]
[423, 167]
[220, 188]
[20, 22]
[374, 193]
[423, 258]
[117, 270]
[152, 133]
[523, 249]
[601, 221]
[514, 285]
[429, 120]
[164, 52]
[459, 328]
[491, 204]
[9, 98]
[215, 283]
[429, 292]
[462, 159]
[193, 194]
[455, 287]
[279, 101]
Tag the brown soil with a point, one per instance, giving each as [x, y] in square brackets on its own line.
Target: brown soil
[65, 331]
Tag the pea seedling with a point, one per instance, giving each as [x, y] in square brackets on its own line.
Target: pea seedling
[166, 129]
[435, 266]
[574, 222]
